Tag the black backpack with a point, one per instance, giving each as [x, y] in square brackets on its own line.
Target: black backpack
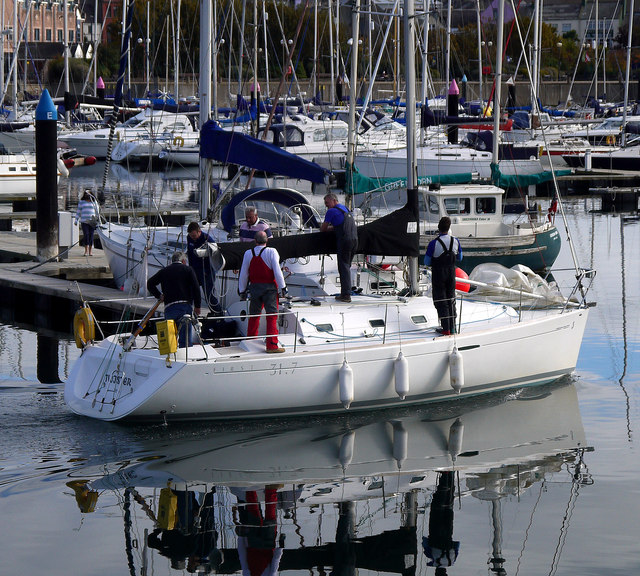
[349, 228]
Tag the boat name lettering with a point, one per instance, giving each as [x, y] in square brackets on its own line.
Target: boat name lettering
[116, 378]
[276, 368]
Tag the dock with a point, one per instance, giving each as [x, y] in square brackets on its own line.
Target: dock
[51, 292]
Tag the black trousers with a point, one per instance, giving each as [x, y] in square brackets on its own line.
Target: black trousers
[443, 291]
[346, 250]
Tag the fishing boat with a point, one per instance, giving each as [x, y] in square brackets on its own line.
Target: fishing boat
[485, 232]
[374, 352]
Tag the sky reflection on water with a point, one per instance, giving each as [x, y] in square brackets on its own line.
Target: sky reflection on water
[570, 513]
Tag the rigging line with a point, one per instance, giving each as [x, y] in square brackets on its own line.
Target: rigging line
[374, 73]
[504, 52]
[562, 536]
[526, 532]
[536, 105]
[117, 99]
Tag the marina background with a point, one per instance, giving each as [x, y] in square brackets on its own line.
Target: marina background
[554, 526]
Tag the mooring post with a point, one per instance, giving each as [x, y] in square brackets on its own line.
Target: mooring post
[46, 178]
[453, 100]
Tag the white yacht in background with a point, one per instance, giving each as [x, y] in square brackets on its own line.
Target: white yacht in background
[148, 123]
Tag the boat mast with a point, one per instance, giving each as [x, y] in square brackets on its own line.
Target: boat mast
[627, 72]
[65, 48]
[117, 97]
[498, 90]
[2, 37]
[535, 68]
[479, 25]
[351, 141]
[412, 169]
[332, 70]
[205, 98]
[14, 87]
[176, 59]
[447, 51]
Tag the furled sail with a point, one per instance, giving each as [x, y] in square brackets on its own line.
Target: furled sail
[231, 147]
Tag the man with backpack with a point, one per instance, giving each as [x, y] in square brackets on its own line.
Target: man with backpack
[339, 219]
[442, 254]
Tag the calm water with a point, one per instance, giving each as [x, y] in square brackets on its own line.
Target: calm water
[496, 481]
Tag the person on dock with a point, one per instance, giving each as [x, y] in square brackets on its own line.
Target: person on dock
[261, 274]
[87, 216]
[339, 219]
[206, 276]
[180, 294]
[442, 254]
[252, 225]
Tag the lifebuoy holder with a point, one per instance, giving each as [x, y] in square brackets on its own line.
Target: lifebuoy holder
[178, 141]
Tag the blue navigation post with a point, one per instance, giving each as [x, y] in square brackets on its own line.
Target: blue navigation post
[46, 178]
[453, 99]
[463, 90]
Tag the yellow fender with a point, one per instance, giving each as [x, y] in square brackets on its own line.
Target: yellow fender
[611, 140]
[84, 327]
[178, 141]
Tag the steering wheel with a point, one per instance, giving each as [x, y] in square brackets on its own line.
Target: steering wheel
[292, 216]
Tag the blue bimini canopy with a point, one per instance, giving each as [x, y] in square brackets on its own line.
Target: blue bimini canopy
[283, 196]
[237, 148]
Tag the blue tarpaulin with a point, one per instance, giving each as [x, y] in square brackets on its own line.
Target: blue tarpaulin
[231, 147]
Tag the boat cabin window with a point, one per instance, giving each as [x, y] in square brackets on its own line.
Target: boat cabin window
[485, 205]
[377, 323]
[457, 205]
[419, 319]
[432, 201]
[268, 138]
[324, 327]
[292, 136]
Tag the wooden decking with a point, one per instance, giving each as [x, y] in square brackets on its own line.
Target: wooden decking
[76, 278]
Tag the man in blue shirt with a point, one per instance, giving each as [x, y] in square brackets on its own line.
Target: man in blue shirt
[442, 254]
[339, 219]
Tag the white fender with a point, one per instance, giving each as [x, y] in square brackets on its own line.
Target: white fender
[456, 370]
[345, 378]
[400, 443]
[64, 171]
[346, 449]
[456, 433]
[401, 374]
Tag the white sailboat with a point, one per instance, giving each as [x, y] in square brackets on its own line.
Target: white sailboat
[373, 353]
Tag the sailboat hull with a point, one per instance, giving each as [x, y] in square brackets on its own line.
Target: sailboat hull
[242, 381]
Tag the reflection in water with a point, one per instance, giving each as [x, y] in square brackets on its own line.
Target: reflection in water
[625, 345]
[264, 499]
